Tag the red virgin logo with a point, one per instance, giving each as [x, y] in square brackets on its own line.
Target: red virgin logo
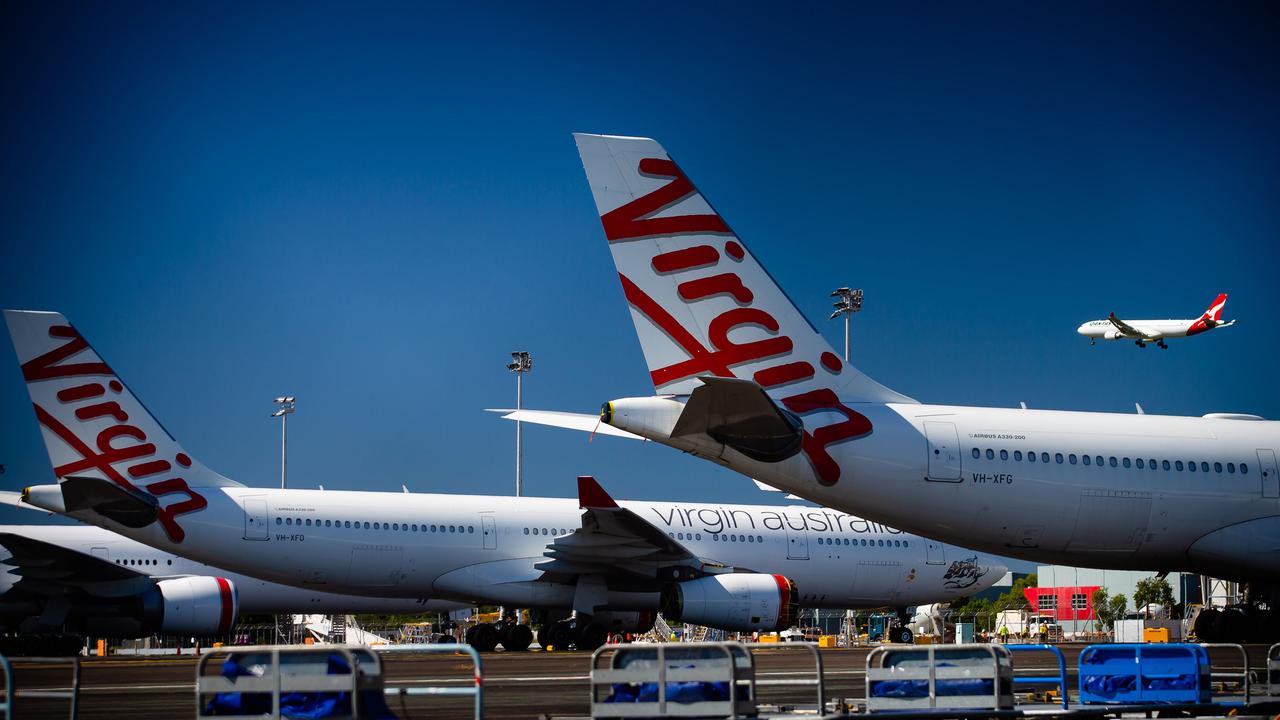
[633, 221]
[119, 445]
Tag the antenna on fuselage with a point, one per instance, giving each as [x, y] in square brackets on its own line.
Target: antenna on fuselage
[1023, 403]
[1138, 407]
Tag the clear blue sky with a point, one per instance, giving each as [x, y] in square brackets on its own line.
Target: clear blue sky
[369, 208]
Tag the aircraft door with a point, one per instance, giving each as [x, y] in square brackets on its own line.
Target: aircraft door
[101, 553]
[797, 543]
[944, 451]
[1270, 477]
[255, 518]
[489, 527]
[934, 553]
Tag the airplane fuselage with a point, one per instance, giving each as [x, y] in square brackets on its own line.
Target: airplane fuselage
[1149, 329]
[1096, 489]
[485, 548]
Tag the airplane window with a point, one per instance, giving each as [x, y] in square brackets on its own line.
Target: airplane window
[991, 454]
[170, 562]
[697, 536]
[1098, 459]
[377, 526]
[751, 538]
[1191, 465]
[1031, 456]
[1164, 464]
[287, 521]
[679, 536]
[1178, 464]
[279, 521]
[1058, 458]
[526, 531]
[880, 543]
[1044, 457]
[1204, 466]
[976, 453]
[433, 528]
[1087, 459]
[759, 538]
[1231, 467]
[1071, 458]
[1126, 462]
[1004, 454]
[395, 526]
[1217, 467]
[905, 543]
[1244, 469]
[1140, 463]
[415, 527]
[1017, 455]
[1113, 461]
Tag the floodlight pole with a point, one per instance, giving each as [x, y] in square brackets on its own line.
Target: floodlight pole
[849, 303]
[521, 363]
[287, 405]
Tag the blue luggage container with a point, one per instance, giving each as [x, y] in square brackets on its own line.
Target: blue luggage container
[1144, 674]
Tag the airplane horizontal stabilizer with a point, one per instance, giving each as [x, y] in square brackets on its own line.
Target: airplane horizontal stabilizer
[739, 413]
[131, 509]
[571, 421]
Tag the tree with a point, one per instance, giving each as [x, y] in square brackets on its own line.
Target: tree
[1153, 590]
[1015, 598]
[1108, 608]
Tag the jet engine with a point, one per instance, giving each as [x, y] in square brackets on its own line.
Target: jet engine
[1112, 335]
[191, 606]
[736, 601]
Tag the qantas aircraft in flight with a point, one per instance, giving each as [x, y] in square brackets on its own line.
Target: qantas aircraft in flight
[64, 581]
[737, 567]
[1142, 332]
[744, 380]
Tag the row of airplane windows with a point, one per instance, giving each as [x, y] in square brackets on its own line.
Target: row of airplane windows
[821, 540]
[140, 562]
[403, 527]
[864, 542]
[1113, 461]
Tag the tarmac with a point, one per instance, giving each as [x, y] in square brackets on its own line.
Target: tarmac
[532, 684]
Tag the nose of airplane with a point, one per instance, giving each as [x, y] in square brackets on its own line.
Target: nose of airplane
[1081, 329]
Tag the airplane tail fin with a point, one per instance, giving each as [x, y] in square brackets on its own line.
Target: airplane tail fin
[701, 303]
[94, 427]
[1214, 312]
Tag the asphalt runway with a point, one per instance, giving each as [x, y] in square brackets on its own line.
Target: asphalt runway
[517, 685]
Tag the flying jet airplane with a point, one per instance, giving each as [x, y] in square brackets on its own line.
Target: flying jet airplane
[743, 379]
[737, 567]
[1142, 332]
[65, 581]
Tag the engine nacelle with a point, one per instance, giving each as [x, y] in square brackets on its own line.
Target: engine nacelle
[192, 606]
[736, 601]
[1112, 335]
[623, 621]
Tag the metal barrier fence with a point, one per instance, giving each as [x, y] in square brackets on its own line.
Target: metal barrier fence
[706, 667]
[476, 690]
[1241, 677]
[915, 679]
[1060, 679]
[10, 695]
[817, 681]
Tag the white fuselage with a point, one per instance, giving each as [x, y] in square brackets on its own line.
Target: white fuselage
[485, 548]
[255, 596]
[1150, 329]
[965, 473]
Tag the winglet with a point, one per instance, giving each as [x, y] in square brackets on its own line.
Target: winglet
[591, 495]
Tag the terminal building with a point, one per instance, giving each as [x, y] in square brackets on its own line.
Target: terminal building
[1066, 593]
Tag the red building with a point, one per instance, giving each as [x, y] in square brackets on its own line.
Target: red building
[1063, 603]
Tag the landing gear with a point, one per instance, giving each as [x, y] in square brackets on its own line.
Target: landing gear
[486, 637]
[1160, 344]
[518, 638]
[1139, 343]
[1093, 342]
[900, 632]
[575, 632]
[483, 637]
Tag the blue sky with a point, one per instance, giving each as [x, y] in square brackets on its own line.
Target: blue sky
[369, 208]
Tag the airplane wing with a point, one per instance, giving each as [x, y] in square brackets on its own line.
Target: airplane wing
[14, 499]
[617, 543]
[571, 421]
[1126, 328]
[50, 569]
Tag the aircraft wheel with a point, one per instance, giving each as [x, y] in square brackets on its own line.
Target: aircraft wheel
[903, 635]
[483, 637]
[1231, 626]
[518, 638]
[593, 636]
[1204, 627]
[564, 634]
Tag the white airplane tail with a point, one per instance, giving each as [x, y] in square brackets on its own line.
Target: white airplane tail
[93, 426]
[701, 303]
